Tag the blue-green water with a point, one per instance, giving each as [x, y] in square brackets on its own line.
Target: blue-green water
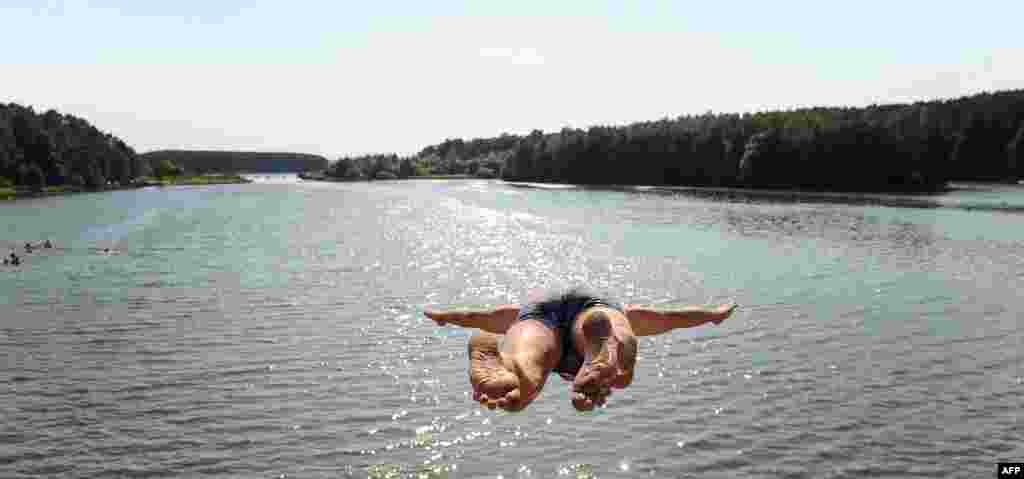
[274, 330]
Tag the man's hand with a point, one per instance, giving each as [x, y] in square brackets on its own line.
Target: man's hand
[436, 316]
[492, 320]
[723, 312]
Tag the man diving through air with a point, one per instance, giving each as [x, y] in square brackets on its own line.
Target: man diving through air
[587, 339]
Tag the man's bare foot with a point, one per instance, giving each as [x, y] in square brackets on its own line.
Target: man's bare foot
[594, 378]
[493, 385]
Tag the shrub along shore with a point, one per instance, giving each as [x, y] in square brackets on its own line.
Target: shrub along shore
[322, 176]
[13, 193]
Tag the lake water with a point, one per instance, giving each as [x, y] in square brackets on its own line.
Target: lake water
[274, 330]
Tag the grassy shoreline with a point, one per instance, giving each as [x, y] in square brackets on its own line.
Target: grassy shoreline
[330, 179]
[14, 193]
[194, 180]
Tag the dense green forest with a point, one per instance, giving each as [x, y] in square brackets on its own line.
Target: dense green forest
[903, 147]
[194, 161]
[41, 149]
[50, 149]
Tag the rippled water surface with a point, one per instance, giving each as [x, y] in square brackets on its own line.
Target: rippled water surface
[274, 330]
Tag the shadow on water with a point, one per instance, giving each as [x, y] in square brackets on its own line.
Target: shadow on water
[958, 196]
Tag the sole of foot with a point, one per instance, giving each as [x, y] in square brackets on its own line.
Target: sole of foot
[597, 372]
[492, 383]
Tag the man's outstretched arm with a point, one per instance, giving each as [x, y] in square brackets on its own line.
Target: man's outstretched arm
[495, 320]
[647, 321]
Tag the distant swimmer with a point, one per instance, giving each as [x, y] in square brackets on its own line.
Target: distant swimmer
[586, 338]
[14, 259]
[28, 247]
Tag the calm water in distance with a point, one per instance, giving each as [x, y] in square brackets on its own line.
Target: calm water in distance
[274, 330]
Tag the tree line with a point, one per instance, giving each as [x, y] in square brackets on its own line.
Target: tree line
[483, 158]
[898, 147]
[204, 161]
[40, 149]
[52, 149]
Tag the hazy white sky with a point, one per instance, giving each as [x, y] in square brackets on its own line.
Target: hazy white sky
[339, 77]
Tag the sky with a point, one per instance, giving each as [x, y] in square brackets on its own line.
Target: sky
[353, 77]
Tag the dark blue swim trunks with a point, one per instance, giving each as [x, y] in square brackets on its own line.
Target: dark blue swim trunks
[558, 311]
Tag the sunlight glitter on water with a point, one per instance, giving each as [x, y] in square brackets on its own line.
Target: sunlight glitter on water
[316, 351]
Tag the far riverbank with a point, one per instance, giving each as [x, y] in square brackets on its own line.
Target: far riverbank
[322, 177]
[22, 193]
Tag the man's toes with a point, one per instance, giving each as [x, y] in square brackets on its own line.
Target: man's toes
[588, 388]
[504, 401]
[587, 375]
[582, 403]
[593, 380]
